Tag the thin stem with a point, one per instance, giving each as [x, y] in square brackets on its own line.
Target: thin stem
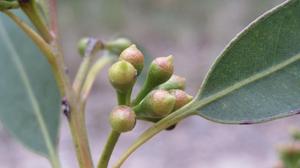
[128, 97]
[81, 74]
[124, 97]
[146, 88]
[80, 139]
[54, 31]
[92, 74]
[53, 16]
[30, 9]
[90, 51]
[121, 96]
[108, 149]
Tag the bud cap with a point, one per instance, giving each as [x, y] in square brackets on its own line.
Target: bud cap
[133, 55]
[160, 102]
[122, 119]
[182, 98]
[161, 69]
[122, 75]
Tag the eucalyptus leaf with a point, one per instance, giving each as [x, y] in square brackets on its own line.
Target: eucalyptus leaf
[257, 77]
[29, 101]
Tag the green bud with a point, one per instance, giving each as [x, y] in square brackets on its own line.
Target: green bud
[160, 70]
[118, 45]
[156, 104]
[175, 82]
[182, 98]
[122, 119]
[88, 46]
[82, 45]
[133, 55]
[122, 75]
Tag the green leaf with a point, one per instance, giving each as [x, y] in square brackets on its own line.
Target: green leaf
[29, 101]
[257, 77]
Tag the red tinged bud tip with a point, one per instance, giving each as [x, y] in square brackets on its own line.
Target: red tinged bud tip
[157, 104]
[122, 119]
[182, 98]
[134, 56]
[160, 70]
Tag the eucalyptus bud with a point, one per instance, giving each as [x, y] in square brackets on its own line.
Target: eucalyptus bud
[182, 98]
[82, 45]
[122, 119]
[122, 75]
[175, 82]
[118, 45]
[88, 46]
[156, 104]
[160, 70]
[133, 55]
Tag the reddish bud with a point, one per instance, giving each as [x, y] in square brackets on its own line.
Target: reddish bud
[122, 119]
[161, 69]
[134, 56]
[182, 98]
[157, 103]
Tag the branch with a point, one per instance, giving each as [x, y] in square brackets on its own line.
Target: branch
[53, 17]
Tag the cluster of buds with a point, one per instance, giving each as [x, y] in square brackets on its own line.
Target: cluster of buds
[161, 94]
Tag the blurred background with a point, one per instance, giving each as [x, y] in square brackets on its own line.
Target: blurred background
[195, 32]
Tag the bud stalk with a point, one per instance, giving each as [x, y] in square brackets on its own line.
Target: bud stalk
[161, 69]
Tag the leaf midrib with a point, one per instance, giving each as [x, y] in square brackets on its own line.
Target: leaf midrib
[202, 102]
[15, 57]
